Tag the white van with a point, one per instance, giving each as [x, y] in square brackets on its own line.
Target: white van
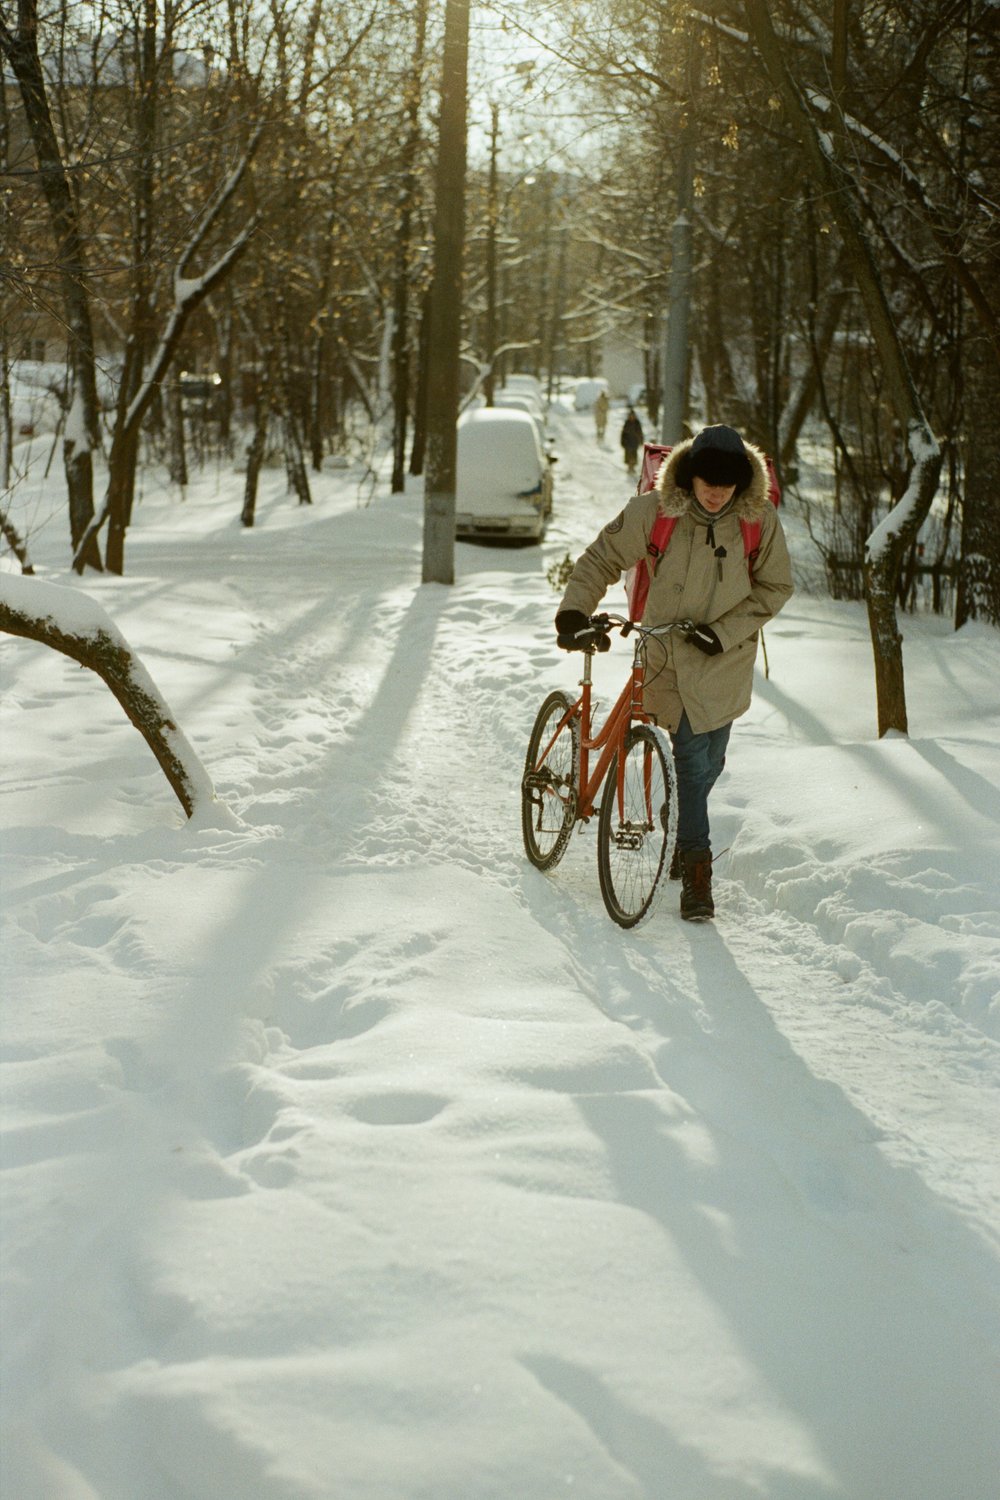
[504, 480]
[587, 392]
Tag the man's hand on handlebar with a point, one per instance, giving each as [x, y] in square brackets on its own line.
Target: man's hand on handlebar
[576, 631]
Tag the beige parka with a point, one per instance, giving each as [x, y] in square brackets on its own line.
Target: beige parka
[690, 581]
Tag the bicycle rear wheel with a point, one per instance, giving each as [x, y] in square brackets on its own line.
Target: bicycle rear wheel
[550, 783]
[632, 830]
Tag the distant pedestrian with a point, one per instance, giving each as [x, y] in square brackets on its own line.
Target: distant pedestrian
[631, 439]
[601, 414]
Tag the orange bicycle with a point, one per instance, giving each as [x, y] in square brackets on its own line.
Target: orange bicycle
[636, 815]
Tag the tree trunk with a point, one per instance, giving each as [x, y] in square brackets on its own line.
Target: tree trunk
[225, 401]
[492, 218]
[82, 428]
[318, 395]
[555, 323]
[122, 463]
[418, 450]
[651, 368]
[676, 351]
[542, 294]
[404, 253]
[978, 595]
[446, 303]
[295, 462]
[255, 457]
[176, 436]
[6, 417]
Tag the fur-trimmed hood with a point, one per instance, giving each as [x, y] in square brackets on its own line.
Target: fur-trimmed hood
[749, 503]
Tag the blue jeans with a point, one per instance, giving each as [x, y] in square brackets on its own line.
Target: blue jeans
[698, 760]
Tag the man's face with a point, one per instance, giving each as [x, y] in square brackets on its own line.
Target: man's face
[712, 497]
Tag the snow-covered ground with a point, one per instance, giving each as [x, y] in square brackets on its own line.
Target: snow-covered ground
[347, 1157]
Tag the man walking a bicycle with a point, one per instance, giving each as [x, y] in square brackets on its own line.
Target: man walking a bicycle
[714, 490]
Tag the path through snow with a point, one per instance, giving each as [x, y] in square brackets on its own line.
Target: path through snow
[346, 1155]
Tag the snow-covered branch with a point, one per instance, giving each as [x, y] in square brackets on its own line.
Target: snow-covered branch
[824, 105]
[214, 209]
[188, 293]
[909, 510]
[713, 24]
[76, 625]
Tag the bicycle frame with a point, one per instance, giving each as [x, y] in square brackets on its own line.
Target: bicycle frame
[568, 766]
[610, 738]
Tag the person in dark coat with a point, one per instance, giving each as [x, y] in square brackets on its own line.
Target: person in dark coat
[631, 439]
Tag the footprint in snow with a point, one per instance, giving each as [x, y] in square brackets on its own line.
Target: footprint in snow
[397, 1108]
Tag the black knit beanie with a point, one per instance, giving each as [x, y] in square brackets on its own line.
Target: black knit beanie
[718, 456]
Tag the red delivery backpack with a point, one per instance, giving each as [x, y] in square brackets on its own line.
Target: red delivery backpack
[638, 577]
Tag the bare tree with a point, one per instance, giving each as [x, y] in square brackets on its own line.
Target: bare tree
[189, 292]
[897, 532]
[404, 251]
[20, 47]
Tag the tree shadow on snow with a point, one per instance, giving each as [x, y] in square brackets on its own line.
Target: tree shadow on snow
[864, 1304]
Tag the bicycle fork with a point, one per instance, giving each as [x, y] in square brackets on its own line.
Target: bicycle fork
[610, 741]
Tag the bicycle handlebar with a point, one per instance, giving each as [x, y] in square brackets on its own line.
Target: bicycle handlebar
[605, 622]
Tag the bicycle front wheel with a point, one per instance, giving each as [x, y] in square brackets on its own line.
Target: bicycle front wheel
[636, 813]
[550, 783]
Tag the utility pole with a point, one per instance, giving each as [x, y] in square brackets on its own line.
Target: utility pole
[675, 346]
[446, 303]
[489, 380]
[555, 325]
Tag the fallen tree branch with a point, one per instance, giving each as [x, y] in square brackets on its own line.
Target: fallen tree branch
[74, 624]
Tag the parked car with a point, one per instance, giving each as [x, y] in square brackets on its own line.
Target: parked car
[512, 401]
[504, 478]
[587, 392]
[525, 385]
[520, 401]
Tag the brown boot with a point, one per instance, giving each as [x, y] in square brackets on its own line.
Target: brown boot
[696, 887]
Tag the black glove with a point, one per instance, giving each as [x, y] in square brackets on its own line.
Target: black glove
[705, 638]
[574, 632]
